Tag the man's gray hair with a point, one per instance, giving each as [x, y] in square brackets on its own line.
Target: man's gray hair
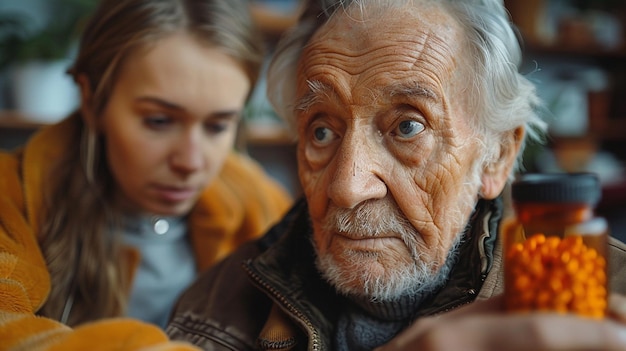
[502, 98]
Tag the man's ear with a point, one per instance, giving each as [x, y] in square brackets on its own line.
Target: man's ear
[496, 173]
[86, 101]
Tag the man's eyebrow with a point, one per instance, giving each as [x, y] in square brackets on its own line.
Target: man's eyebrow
[410, 89]
[315, 91]
[318, 89]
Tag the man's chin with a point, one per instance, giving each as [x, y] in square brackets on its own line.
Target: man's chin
[363, 276]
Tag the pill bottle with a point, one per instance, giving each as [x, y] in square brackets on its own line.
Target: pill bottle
[555, 246]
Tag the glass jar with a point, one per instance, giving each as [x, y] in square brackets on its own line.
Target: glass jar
[555, 247]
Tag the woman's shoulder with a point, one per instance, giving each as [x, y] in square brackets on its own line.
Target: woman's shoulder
[30, 162]
[243, 180]
[44, 134]
[49, 142]
[242, 165]
[10, 176]
[242, 171]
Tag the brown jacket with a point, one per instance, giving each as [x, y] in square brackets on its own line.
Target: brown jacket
[268, 295]
[238, 206]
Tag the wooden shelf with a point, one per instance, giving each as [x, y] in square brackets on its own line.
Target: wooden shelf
[572, 49]
[615, 129]
[609, 124]
[16, 120]
[258, 134]
[271, 22]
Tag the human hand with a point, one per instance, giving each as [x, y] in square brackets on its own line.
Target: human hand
[484, 326]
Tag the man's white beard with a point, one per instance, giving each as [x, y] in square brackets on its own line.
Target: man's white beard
[353, 278]
[374, 218]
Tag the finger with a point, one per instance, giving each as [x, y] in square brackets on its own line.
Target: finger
[617, 307]
[520, 332]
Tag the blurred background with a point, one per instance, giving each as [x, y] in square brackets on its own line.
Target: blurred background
[574, 51]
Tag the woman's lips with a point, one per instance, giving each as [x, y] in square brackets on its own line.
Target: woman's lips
[174, 194]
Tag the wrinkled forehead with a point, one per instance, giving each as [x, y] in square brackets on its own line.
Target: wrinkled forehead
[410, 25]
[420, 35]
[379, 19]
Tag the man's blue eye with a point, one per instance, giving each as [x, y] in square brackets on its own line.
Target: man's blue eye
[322, 134]
[409, 128]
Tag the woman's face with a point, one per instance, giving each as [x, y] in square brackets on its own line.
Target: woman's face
[170, 122]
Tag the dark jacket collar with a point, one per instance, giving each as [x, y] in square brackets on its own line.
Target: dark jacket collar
[286, 271]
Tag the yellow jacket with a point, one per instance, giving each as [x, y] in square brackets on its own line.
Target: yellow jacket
[238, 206]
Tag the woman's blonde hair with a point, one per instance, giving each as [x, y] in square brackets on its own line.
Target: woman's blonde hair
[84, 262]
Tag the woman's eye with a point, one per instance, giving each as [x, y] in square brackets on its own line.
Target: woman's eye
[158, 122]
[216, 127]
[409, 128]
[323, 135]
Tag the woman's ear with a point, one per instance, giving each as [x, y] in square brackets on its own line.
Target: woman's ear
[86, 101]
[496, 173]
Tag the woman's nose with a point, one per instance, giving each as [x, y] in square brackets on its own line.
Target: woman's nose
[188, 156]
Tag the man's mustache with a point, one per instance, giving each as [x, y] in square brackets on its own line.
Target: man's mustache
[371, 218]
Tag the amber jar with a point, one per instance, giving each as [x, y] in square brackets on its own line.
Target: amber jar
[555, 247]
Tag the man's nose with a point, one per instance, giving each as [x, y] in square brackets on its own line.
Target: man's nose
[356, 176]
[188, 155]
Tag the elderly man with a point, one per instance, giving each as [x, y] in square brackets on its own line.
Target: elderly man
[410, 117]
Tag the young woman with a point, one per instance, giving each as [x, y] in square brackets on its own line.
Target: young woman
[114, 210]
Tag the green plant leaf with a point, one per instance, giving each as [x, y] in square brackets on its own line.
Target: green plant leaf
[19, 42]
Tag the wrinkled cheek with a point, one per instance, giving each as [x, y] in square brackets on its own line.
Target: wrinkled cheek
[449, 215]
[452, 220]
[436, 248]
[315, 191]
[437, 243]
[426, 246]
[321, 239]
[308, 182]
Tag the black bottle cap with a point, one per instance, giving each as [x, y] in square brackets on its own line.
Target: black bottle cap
[557, 188]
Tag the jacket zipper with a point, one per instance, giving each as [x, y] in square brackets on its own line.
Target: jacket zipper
[469, 298]
[314, 344]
